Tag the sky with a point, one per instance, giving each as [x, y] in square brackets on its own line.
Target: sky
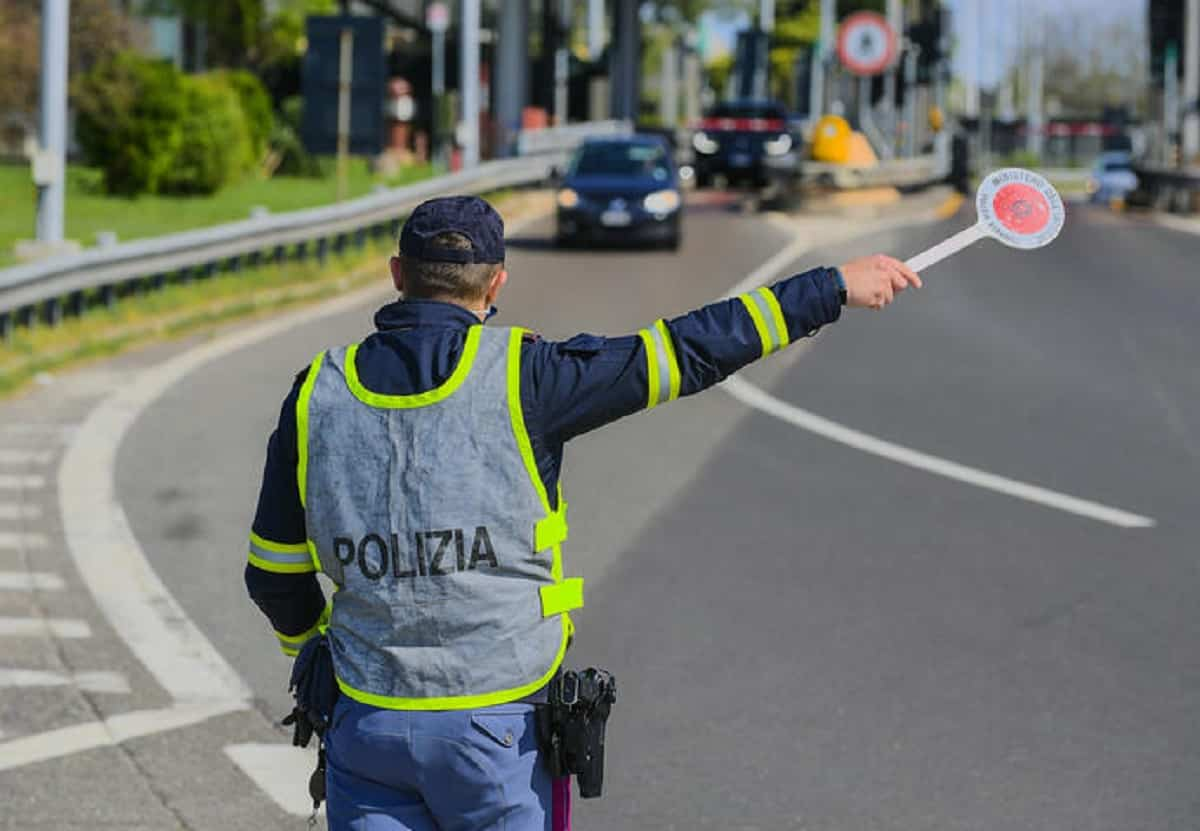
[1001, 19]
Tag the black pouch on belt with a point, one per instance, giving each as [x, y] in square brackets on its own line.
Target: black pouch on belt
[571, 726]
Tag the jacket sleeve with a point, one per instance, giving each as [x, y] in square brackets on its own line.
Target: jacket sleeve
[589, 381]
[280, 573]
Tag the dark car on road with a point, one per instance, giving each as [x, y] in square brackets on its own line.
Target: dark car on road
[736, 139]
[620, 190]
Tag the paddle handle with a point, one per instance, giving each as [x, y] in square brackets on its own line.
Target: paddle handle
[945, 248]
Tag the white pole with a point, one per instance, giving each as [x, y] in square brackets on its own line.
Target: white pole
[1036, 121]
[595, 27]
[821, 58]
[971, 61]
[469, 81]
[895, 19]
[1191, 81]
[668, 102]
[766, 15]
[52, 185]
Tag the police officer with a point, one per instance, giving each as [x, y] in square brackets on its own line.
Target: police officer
[419, 470]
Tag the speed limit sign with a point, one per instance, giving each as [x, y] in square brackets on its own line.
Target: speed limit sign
[866, 43]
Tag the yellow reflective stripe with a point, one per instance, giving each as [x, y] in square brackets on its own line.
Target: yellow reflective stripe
[302, 428]
[668, 352]
[312, 552]
[422, 399]
[781, 329]
[290, 644]
[552, 530]
[517, 417]
[651, 369]
[760, 325]
[304, 566]
[277, 547]
[562, 597]
[464, 702]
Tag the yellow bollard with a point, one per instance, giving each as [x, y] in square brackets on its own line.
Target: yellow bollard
[831, 140]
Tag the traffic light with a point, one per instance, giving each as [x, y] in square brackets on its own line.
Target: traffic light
[1166, 30]
[926, 34]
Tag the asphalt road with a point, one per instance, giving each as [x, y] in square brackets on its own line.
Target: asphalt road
[807, 636]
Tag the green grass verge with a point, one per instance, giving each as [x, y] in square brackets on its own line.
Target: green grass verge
[90, 210]
[179, 309]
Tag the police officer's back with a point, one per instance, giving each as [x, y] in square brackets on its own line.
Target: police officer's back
[419, 469]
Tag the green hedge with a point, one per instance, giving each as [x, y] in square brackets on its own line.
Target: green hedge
[152, 129]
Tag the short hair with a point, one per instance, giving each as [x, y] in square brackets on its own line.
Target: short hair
[427, 279]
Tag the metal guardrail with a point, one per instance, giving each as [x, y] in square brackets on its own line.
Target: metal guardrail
[1163, 188]
[50, 289]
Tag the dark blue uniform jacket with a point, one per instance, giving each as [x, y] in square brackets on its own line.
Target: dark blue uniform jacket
[567, 389]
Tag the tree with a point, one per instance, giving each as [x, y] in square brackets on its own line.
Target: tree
[98, 30]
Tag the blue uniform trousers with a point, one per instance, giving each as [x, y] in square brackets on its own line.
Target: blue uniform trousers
[456, 770]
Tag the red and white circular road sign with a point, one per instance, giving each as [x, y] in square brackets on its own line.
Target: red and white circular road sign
[866, 43]
[1019, 208]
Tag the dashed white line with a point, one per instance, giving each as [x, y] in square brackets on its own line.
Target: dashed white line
[26, 482]
[64, 741]
[9, 456]
[282, 771]
[17, 627]
[15, 511]
[94, 682]
[30, 581]
[22, 541]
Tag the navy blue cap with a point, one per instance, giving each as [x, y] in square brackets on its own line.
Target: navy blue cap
[470, 216]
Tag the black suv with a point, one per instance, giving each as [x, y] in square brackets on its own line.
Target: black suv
[734, 140]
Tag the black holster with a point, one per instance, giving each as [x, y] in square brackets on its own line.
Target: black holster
[571, 726]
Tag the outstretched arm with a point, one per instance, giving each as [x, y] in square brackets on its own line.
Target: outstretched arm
[280, 575]
[589, 381]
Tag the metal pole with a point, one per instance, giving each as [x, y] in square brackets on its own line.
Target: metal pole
[895, 19]
[821, 56]
[1191, 82]
[816, 84]
[1036, 120]
[910, 101]
[1170, 99]
[595, 27]
[469, 82]
[438, 88]
[691, 87]
[562, 66]
[345, 81]
[512, 76]
[766, 15]
[971, 59]
[51, 179]
[668, 101]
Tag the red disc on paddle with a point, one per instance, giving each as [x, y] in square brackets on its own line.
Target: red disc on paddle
[1021, 208]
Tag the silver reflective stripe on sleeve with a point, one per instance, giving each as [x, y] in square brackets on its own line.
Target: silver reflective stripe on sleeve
[769, 319]
[280, 557]
[661, 367]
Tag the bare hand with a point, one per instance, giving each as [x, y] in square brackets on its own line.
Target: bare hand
[873, 282]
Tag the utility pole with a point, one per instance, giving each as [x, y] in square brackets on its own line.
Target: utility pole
[469, 82]
[50, 163]
[971, 61]
[345, 87]
[766, 15]
[1191, 82]
[1035, 121]
[668, 101]
[895, 19]
[821, 55]
[595, 28]
[562, 65]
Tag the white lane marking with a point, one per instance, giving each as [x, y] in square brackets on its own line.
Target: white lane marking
[17, 627]
[280, 770]
[757, 398]
[752, 396]
[65, 741]
[95, 682]
[1177, 223]
[25, 457]
[22, 541]
[14, 511]
[31, 581]
[26, 482]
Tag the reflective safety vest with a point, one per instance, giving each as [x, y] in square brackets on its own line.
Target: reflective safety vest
[429, 514]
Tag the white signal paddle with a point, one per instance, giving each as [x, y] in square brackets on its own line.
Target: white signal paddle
[1015, 206]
